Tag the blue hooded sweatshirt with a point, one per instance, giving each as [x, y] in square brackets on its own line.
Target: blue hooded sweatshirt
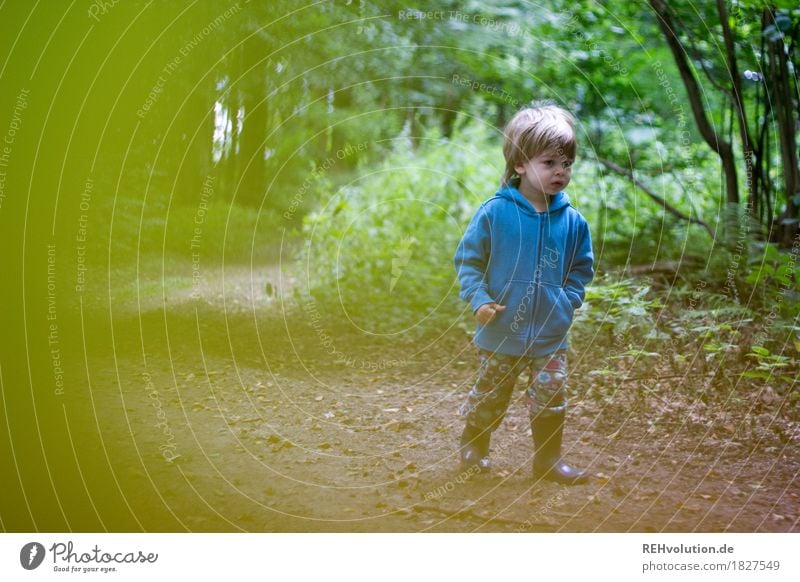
[534, 263]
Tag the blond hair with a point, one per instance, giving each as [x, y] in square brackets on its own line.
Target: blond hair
[533, 130]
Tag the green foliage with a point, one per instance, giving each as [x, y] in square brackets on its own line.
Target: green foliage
[223, 230]
[300, 84]
[145, 247]
[749, 272]
[769, 366]
[773, 276]
[379, 249]
[691, 339]
[629, 227]
[214, 231]
[619, 311]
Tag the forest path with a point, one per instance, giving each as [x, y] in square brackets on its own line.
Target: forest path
[276, 423]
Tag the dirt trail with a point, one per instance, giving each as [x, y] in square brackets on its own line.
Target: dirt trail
[230, 417]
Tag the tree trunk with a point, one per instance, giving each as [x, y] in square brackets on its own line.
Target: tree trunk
[193, 136]
[714, 141]
[738, 99]
[232, 101]
[254, 126]
[783, 105]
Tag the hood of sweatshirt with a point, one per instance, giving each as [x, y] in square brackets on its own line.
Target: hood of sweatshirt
[557, 201]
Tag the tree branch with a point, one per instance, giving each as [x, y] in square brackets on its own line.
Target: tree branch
[698, 56]
[658, 199]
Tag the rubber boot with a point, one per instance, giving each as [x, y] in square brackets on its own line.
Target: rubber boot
[475, 449]
[548, 429]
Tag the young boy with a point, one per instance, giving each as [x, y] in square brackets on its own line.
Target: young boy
[523, 263]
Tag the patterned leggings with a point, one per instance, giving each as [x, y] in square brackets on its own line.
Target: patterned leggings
[488, 400]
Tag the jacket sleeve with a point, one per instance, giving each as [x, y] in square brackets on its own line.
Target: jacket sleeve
[580, 270]
[472, 258]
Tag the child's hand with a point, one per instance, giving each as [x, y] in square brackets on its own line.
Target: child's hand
[487, 312]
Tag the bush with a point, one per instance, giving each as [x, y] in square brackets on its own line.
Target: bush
[379, 249]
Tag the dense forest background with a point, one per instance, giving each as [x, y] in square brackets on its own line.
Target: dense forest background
[272, 113]
[313, 165]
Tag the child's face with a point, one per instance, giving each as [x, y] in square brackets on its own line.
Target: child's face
[547, 173]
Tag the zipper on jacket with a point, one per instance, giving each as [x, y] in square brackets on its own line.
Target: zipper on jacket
[536, 283]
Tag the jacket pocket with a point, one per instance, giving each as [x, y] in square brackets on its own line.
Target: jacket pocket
[554, 312]
[517, 297]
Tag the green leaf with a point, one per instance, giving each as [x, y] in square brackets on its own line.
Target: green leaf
[755, 374]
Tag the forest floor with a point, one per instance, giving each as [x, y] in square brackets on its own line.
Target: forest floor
[243, 420]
